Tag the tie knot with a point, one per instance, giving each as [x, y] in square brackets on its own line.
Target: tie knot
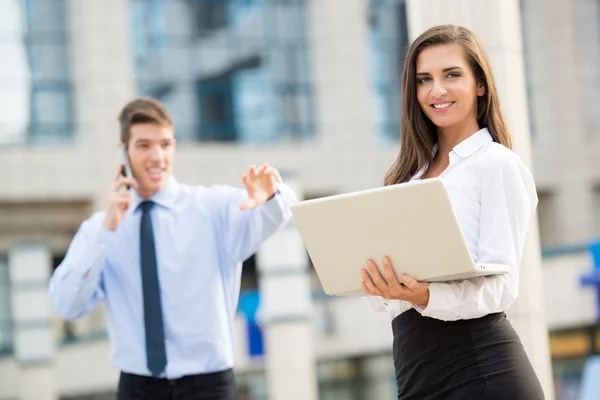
[145, 206]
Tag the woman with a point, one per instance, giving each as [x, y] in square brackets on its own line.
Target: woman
[452, 340]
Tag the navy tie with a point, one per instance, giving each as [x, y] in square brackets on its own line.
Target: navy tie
[155, 338]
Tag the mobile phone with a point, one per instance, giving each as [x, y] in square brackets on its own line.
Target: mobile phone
[125, 167]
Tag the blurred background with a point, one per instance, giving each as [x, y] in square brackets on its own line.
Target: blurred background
[312, 87]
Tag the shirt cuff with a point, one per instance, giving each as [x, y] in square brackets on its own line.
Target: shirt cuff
[377, 303]
[438, 292]
[274, 194]
[277, 207]
[105, 236]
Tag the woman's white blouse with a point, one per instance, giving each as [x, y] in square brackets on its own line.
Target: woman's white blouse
[494, 197]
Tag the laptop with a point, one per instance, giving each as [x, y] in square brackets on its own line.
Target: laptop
[413, 223]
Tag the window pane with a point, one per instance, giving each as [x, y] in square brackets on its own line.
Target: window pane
[34, 74]
[237, 69]
[5, 313]
[388, 37]
[52, 106]
[253, 107]
[48, 61]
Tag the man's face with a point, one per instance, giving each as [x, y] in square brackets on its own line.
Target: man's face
[151, 148]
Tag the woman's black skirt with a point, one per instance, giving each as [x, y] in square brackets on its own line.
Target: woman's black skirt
[475, 359]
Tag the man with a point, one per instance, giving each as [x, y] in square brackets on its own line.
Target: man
[166, 258]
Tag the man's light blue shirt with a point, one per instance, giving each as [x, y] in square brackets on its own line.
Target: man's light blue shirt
[201, 238]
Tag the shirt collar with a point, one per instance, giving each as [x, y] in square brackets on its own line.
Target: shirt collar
[465, 148]
[165, 197]
[473, 143]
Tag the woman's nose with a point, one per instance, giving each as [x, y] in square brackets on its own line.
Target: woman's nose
[438, 89]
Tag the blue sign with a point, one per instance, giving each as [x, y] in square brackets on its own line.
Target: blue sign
[595, 250]
[249, 303]
[594, 277]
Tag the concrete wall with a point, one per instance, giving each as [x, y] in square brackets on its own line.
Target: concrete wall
[562, 55]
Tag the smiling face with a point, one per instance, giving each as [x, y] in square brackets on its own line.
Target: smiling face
[442, 102]
[151, 148]
[447, 91]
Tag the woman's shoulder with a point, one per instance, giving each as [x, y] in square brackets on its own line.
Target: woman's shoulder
[494, 155]
[499, 153]
[499, 165]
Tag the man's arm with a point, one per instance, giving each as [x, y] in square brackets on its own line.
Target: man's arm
[76, 285]
[245, 230]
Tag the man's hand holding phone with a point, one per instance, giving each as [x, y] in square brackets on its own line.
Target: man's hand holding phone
[118, 199]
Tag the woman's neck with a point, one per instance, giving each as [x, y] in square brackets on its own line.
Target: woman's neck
[449, 137]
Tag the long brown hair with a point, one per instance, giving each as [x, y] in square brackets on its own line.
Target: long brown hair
[418, 133]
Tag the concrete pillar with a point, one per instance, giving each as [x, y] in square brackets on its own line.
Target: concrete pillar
[34, 345]
[284, 315]
[102, 68]
[338, 39]
[498, 25]
[574, 202]
[565, 34]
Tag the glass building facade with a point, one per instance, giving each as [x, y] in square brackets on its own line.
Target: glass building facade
[388, 39]
[6, 337]
[35, 75]
[229, 71]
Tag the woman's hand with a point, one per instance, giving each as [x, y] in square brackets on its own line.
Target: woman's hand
[389, 287]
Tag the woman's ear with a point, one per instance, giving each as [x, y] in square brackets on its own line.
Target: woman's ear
[480, 89]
